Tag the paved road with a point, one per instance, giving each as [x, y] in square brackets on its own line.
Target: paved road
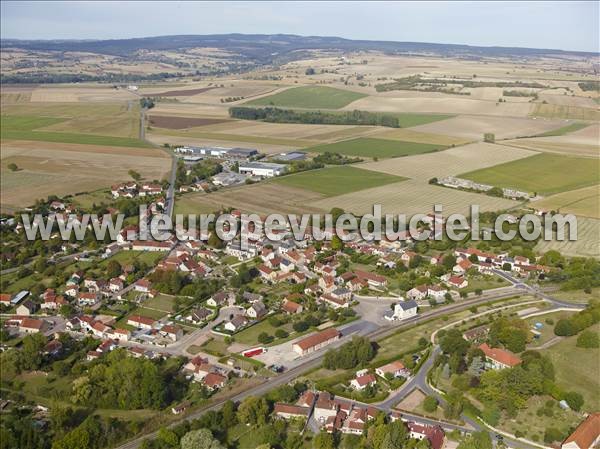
[314, 360]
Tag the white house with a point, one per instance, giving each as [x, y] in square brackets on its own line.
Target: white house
[402, 311]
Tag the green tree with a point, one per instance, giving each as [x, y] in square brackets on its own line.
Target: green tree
[323, 440]
[253, 411]
[200, 439]
[430, 404]
[574, 399]
[12, 166]
[135, 175]
[588, 339]
[113, 269]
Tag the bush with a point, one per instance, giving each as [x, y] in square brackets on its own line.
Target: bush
[265, 338]
[280, 333]
[574, 399]
[588, 339]
[430, 404]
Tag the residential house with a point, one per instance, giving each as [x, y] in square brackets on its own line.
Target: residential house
[198, 315]
[325, 407]
[291, 307]
[141, 322]
[457, 282]
[214, 381]
[437, 292]
[417, 293]
[359, 383]
[497, 358]
[402, 311]
[219, 299]
[87, 299]
[395, 369]
[26, 308]
[257, 310]
[373, 279]
[236, 323]
[586, 435]
[173, 332]
[333, 301]
[434, 434]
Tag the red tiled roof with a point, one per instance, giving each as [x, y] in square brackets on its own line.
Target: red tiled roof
[291, 409]
[500, 355]
[214, 380]
[318, 338]
[586, 433]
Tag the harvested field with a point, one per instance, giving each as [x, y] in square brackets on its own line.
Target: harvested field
[474, 127]
[57, 168]
[230, 141]
[75, 94]
[278, 130]
[586, 245]
[419, 137]
[566, 112]
[380, 148]
[449, 162]
[544, 173]
[425, 102]
[182, 92]
[412, 197]
[567, 129]
[582, 202]
[310, 97]
[551, 145]
[175, 122]
[263, 198]
[332, 181]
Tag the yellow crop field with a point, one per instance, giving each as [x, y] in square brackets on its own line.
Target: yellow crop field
[583, 202]
[586, 245]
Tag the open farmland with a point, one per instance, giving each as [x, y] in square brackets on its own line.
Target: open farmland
[56, 168]
[543, 173]
[582, 202]
[474, 127]
[376, 148]
[263, 198]
[411, 135]
[449, 162]
[175, 122]
[412, 197]
[332, 181]
[586, 245]
[566, 112]
[567, 129]
[183, 92]
[310, 97]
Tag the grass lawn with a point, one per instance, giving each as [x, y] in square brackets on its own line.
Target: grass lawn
[485, 283]
[564, 130]
[249, 336]
[150, 313]
[86, 200]
[380, 148]
[578, 296]
[332, 181]
[577, 369]
[543, 173]
[547, 330]
[193, 204]
[216, 345]
[311, 97]
[27, 128]
[160, 302]
[534, 426]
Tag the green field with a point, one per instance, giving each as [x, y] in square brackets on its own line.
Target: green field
[543, 173]
[333, 181]
[380, 148]
[577, 369]
[310, 97]
[564, 130]
[408, 119]
[27, 127]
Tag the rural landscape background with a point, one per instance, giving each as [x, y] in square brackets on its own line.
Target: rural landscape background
[104, 343]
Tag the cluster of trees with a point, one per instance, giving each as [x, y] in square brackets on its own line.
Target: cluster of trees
[306, 323]
[359, 351]
[277, 115]
[147, 103]
[231, 99]
[169, 282]
[587, 86]
[53, 78]
[566, 327]
[328, 158]
[123, 382]
[575, 274]
[202, 170]
[418, 82]
[519, 93]
[512, 333]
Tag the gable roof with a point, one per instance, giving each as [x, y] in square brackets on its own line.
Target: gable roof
[500, 355]
[586, 433]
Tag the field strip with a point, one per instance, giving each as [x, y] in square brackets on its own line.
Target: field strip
[543, 145]
[449, 162]
[586, 245]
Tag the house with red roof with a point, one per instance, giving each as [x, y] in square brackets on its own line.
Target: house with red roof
[497, 358]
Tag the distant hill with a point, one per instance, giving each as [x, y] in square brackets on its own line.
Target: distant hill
[263, 48]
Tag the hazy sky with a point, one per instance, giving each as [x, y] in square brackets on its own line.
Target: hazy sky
[560, 25]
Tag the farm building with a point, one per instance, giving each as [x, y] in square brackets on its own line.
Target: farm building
[317, 341]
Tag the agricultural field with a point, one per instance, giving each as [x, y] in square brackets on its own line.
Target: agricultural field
[104, 124]
[310, 97]
[543, 173]
[586, 245]
[412, 197]
[175, 122]
[411, 135]
[376, 148]
[46, 168]
[449, 162]
[473, 127]
[333, 181]
[263, 198]
[565, 112]
[567, 129]
[583, 202]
